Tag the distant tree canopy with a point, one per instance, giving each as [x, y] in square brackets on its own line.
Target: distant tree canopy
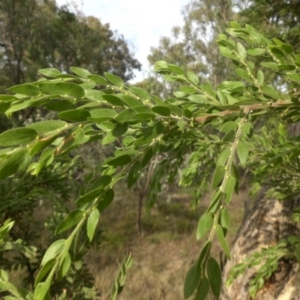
[37, 34]
[194, 46]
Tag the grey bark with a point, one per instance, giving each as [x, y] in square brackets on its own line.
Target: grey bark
[264, 226]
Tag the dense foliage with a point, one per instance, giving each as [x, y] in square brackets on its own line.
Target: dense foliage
[206, 133]
[39, 34]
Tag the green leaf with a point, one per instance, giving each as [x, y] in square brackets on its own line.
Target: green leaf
[294, 77]
[198, 99]
[40, 145]
[41, 290]
[94, 95]
[120, 129]
[70, 89]
[102, 114]
[19, 106]
[243, 74]
[134, 174]
[115, 80]
[241, 50]
[144, 116]
[120, 161]
[25, 89]
[65, 267]
[130, 101]
[228, 126]
[98, 79]
[224, 218]
[271, 65]
[256, 51]
[287, 67]
[114, 100]
[140, 92]
[53, 251]
[204, 254]
[203, 289]
[72, 219]
[17, 137]
[147, 157]
[47, 126]
[15, 162]
[126, 115]
[204, 225]
[247, 129]
[162, 110]
[74, 115]
[215, 201]
[223, 243]
[277, 51]
[106, 200]
[50, 72]
[60, 105]
[188, 89]
[193, 77]
[108, 139]
[90, 196]
[229, 188]
[150, 134]
[175, 69]
[214, 276]
[191, 281]
[218, 176]
[260, 77]
[80, 72]
[143, 109]
[243, 152]
[287, 48]
[101, 182]
[44, 270]
[223, 156]
[271, 92]
[92, 223]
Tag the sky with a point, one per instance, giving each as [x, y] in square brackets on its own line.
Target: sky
[141, 22]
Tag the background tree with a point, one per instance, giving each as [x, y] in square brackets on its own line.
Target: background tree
[37, 34]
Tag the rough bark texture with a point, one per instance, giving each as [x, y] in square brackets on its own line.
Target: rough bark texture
[264, 226]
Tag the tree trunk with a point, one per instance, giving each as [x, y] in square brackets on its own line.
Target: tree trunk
[267, 223]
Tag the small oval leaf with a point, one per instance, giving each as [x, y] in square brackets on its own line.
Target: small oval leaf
[204, 225]
[134, 174]
[218, 176]
[74, 115]
[214, 276]
[203, 289]
[17, 137]
[53, 251]
[106, 200]
[191, 281]
[92, 223]
[115, 80]
[47, 126]
[120, 161]
[69, 221]
[25, 89]
[162, 110]
[70, 89]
